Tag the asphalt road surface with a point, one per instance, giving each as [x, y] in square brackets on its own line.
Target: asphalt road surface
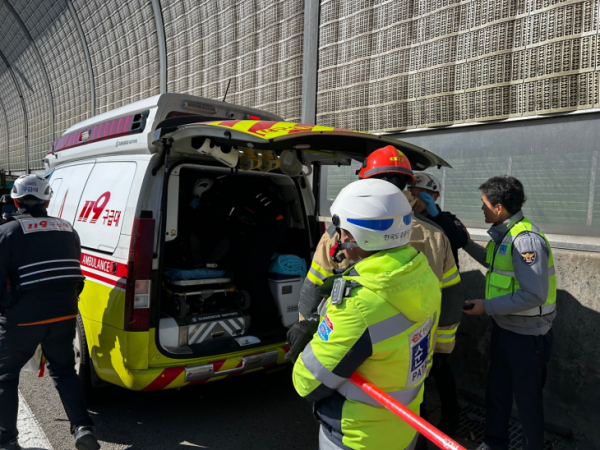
[258, 411]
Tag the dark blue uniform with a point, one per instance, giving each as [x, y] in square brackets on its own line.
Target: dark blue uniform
[40, 281]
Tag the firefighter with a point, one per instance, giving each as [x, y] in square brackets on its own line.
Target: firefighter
[427, 189]
[387, 163]
[39, 259]
[379, 320]
[520, 297]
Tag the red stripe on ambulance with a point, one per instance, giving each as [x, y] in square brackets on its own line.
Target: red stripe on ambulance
[164, 379]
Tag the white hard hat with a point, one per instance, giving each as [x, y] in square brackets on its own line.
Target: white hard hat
[202, 185]
[427, 181]
[375, 212]
[31, 185]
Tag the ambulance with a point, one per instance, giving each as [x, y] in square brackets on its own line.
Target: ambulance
[183, 205]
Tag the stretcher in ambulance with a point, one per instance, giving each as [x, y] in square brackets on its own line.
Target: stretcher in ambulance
[197, 221]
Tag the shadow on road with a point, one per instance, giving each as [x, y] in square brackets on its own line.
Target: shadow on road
[256, 411]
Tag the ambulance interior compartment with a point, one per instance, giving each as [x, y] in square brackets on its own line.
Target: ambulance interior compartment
[228, 236]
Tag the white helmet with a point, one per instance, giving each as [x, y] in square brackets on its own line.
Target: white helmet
[427, 181]
[202, 185]
[32, 185]
[375, 212]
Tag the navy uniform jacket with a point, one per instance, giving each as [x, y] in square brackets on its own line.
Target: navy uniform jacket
[40, 273]
[454, 230]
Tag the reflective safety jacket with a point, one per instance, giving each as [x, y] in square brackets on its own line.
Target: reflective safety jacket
[427, 238]
[383, 329]
[501, 279]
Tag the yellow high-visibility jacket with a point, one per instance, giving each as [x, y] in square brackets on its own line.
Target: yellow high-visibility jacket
[384, 329]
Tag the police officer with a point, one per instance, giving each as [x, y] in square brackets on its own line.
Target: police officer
[379, 320]
[39, 259]
[520, 296]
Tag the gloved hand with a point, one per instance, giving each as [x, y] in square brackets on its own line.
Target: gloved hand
[195, 203]
[429, 203]
[299, 336]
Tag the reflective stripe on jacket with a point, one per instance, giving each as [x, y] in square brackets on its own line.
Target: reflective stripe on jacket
[427, 238]
[500, 278]
[385, 331]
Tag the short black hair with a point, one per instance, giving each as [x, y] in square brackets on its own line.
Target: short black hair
[505, 190]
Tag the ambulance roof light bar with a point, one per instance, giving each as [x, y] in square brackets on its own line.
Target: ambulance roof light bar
[122, 126]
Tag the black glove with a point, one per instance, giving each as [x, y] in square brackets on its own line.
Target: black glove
[299, 336]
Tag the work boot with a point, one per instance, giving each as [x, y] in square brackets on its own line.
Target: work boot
[84, 439]
[12, 445]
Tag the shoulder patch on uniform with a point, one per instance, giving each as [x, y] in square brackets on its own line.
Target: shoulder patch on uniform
[419, 341]
[38, 224]
[529, 258]
[325, 328]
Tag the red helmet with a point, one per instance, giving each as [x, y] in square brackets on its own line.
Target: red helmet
[386, 160]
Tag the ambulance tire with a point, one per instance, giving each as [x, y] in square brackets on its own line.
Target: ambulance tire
[83, 362]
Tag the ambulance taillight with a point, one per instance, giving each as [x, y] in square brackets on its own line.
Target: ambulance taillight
[137, 294]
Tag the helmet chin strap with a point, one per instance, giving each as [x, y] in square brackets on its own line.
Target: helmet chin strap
[337, 251]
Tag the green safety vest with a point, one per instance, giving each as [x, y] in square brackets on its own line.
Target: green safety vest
[500, 278]
[384, 329]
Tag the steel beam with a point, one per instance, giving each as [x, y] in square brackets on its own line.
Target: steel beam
[310, 63]
[7, 136]
[162, 44]
[86, 51]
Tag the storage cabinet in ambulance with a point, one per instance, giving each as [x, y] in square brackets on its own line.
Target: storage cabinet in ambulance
[197, 220]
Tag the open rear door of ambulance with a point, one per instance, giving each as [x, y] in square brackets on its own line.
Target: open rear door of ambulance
[314, 146]
[314, 143]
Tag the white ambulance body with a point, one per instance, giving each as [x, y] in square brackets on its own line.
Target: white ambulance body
[124, 179]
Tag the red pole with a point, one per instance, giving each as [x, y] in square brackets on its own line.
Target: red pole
[422, 426]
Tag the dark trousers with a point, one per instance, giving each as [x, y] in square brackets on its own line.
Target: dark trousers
[517, 369]
[17, 346]
[445, 383]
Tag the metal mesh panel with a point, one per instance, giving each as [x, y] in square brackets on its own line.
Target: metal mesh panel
[257, 44]
[124, 50]
[16, 120]
[29, 75]
[54, 31]
[390, 65]
[37, 102]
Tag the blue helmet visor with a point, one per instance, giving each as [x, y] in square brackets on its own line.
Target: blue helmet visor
[370, 224]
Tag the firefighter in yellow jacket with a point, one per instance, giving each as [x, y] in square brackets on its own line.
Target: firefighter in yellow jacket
[391, 165]
[379, 319]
